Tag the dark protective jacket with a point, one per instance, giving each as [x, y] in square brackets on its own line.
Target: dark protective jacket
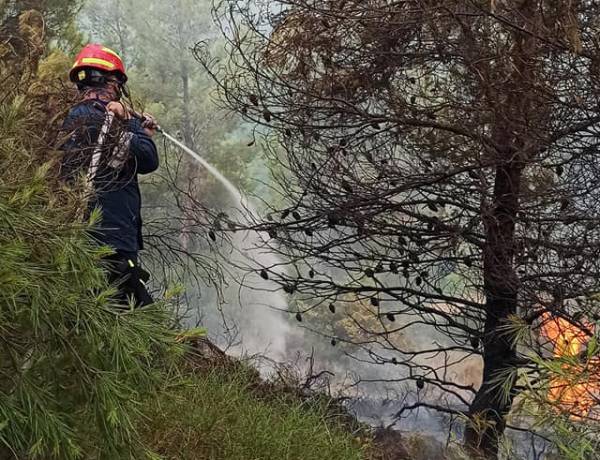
[126, 152]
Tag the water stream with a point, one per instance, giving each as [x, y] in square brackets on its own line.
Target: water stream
[256, 305]
[235, 193]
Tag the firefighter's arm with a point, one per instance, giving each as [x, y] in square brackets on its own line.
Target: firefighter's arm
[142, 147]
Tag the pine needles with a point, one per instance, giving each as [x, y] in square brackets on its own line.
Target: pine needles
[73, 366]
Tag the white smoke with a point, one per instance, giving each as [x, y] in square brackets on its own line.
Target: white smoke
[253, 310]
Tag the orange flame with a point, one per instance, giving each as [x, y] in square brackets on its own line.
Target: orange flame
[577, 391]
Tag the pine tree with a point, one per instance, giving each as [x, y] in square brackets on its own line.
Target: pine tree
[441, 163]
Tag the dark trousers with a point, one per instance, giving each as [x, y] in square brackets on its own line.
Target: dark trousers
[130, 279]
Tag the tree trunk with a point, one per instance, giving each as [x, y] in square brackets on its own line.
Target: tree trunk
[514, 104]
[494, 398]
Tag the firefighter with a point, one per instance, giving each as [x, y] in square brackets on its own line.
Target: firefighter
[107, 147]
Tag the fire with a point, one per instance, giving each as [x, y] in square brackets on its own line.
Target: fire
[577, 392]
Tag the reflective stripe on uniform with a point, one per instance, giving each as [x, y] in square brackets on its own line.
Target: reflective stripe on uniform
[95, 163]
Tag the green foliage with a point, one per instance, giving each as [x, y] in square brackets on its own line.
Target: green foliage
[73, 366]
[219, 416]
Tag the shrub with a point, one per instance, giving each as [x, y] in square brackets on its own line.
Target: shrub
[73, 366]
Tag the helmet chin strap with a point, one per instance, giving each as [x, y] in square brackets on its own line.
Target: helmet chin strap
[118, 93]
[125, 91]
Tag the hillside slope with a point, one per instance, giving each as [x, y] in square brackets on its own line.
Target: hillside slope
[226, 413]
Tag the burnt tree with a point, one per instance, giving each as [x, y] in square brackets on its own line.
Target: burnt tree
[439, 161]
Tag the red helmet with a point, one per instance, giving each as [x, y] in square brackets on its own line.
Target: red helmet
[97, 57]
